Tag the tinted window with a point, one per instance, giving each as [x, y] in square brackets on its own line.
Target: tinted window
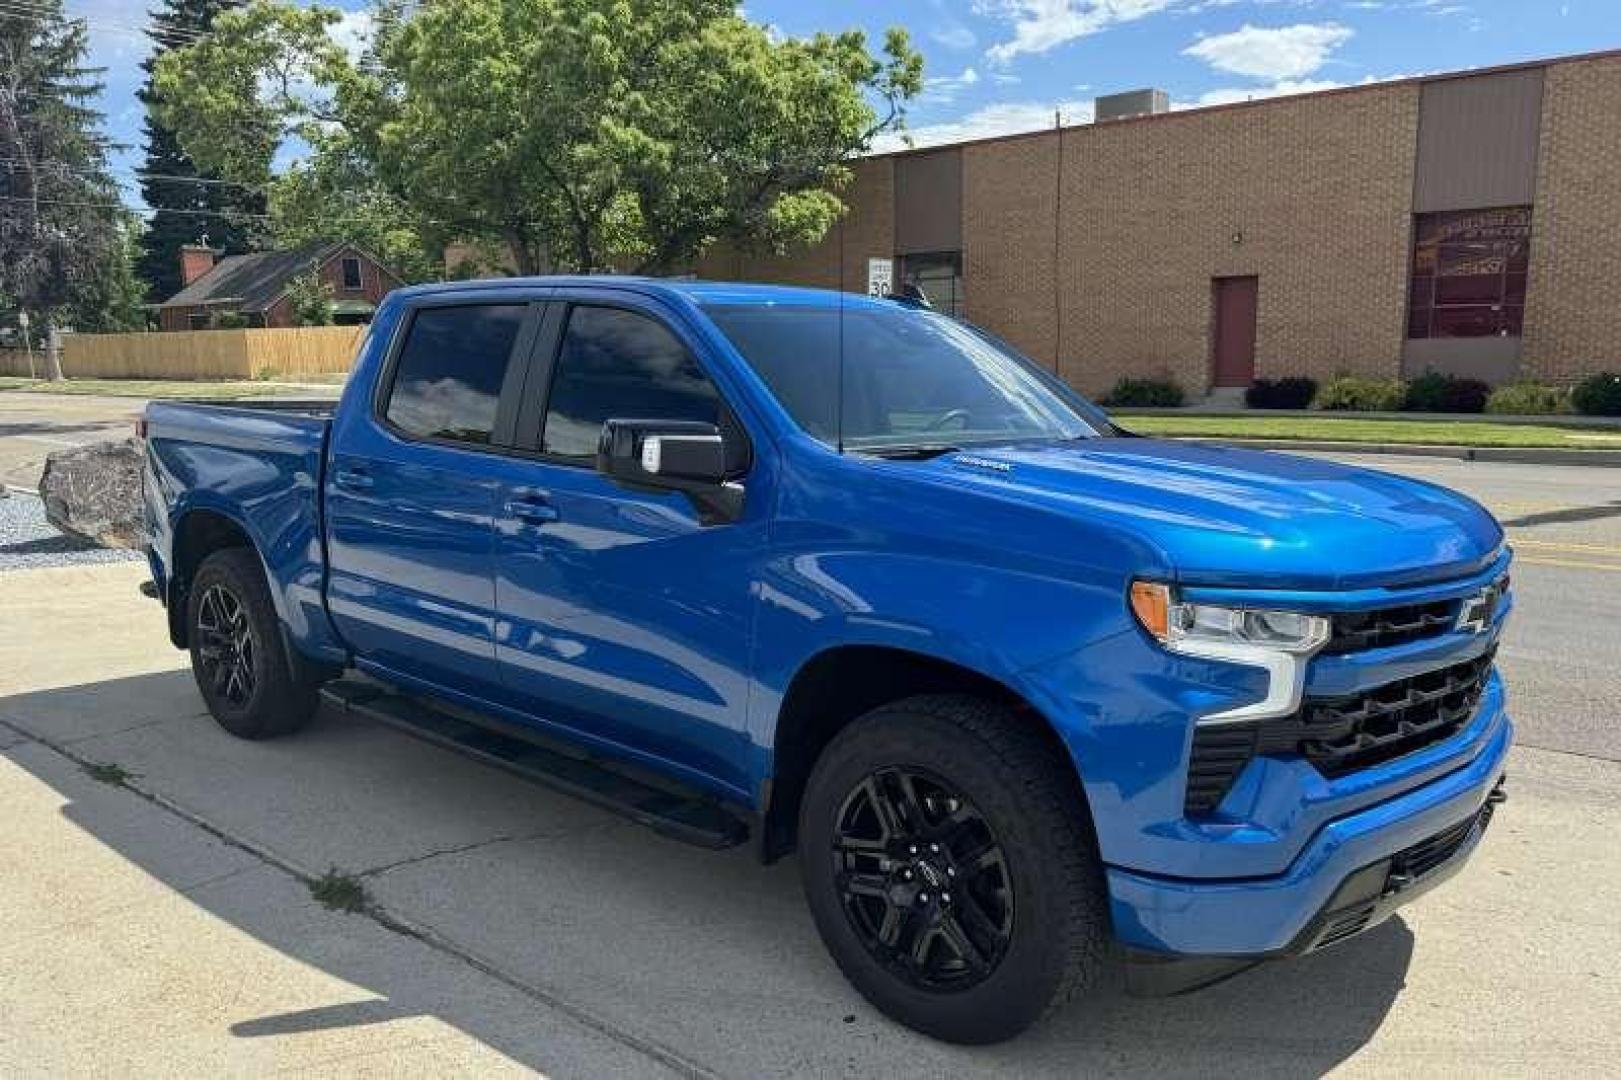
[615, 364]
[909, 377]
[447, 383]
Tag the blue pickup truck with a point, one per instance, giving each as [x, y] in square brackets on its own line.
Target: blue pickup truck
[836, 575]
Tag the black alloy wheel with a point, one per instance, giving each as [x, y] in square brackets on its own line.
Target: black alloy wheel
[923, 879]
[225, 645]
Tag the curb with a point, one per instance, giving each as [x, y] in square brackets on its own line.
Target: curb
[1527, 455]
[1564, 420]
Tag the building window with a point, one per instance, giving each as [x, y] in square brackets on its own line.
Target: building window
[1469, 273]
[939, 275]
[351, 273]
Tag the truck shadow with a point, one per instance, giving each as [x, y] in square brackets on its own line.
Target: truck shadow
[708, 957]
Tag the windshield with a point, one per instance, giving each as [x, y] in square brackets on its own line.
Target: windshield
[911, 379]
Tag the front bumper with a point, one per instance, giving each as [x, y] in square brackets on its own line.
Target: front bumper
[1338, 870]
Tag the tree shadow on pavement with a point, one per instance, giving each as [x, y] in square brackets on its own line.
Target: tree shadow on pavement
[698, 960]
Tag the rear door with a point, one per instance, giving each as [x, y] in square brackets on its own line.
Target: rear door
[410, 495]
[624, 615]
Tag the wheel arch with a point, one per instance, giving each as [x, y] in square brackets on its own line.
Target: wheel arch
[200, 531]
[842, 683]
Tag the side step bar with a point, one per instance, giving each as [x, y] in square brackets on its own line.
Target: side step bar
[690, 818]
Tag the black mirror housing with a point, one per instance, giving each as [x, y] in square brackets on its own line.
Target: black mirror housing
[662, 455]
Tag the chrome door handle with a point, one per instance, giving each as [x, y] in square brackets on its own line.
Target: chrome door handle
[532, 510]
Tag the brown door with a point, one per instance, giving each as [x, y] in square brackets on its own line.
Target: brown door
[1234, 348]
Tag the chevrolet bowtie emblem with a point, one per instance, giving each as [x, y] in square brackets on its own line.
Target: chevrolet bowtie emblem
[1477, 612]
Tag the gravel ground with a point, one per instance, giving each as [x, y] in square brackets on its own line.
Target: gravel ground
[27, 540]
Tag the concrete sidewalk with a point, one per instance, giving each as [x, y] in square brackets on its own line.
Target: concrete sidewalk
[167, 926]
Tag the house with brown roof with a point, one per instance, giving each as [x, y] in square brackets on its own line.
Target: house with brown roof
[254, 287]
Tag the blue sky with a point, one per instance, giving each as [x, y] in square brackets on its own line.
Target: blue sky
[996, 66]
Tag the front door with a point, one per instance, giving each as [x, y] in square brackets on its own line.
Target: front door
[622, 615]
[410, 498]
[1235, 301]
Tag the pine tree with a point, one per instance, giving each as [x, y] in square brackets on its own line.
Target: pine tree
[60, 223]
[188, 205]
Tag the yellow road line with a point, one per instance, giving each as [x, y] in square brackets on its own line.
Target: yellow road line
[1568, 565]
[1555, 545]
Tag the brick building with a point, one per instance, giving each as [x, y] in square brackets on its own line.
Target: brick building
[254, 287]
[1467, 223]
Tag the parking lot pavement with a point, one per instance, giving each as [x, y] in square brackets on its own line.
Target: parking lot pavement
[33, 425]
[167, 925]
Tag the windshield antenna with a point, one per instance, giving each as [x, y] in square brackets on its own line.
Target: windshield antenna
[838, 409]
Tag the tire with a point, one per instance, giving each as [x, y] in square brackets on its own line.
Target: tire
[238, 655]
[970, 774]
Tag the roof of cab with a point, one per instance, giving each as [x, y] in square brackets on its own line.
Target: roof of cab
[698, 292]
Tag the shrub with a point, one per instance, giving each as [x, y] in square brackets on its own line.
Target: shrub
[1598, 395]
[1439, 393]
[1348, 393]
[1528, 399]
[1145, 393]
[1281, 394]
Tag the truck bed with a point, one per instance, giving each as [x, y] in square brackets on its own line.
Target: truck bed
[257, 465]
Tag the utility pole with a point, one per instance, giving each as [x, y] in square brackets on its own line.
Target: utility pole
[28, 342]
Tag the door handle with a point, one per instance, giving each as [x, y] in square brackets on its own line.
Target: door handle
[352, 479]
[533, 509]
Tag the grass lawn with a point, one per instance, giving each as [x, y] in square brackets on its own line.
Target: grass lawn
[155, 388]
[1413, 432]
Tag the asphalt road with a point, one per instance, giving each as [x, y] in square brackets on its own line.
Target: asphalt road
[156, 914]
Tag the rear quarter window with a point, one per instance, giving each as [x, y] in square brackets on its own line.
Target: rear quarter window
[447, 380]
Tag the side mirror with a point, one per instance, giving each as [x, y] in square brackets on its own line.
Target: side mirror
[672, 455]
[664, 455]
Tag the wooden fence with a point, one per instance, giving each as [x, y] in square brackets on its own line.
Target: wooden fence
[281, 354]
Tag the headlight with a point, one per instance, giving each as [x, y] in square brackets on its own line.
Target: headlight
[1280, 641]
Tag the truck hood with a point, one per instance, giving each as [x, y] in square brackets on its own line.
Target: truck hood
[1245, 518]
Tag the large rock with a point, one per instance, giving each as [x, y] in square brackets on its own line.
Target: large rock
[94, 492]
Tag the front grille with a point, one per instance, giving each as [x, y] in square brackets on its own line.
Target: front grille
[1360, 630]
[1349, 733]
[1342, 734]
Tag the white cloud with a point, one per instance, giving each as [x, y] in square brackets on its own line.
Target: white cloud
[1042, 25]
[944, 89]
[1230, 95]
[1281, 88]
[1002, 118]
[954, 36]
[1273, 53]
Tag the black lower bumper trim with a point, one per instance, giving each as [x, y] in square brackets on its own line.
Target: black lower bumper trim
[1367, 897]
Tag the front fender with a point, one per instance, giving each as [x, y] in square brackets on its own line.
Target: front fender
[995, 622]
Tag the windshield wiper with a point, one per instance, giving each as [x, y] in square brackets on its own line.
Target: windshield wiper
[908, 452]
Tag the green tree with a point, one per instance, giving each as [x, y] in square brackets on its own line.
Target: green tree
[584, 134]
[60, 224]
[311, 300]
[187, 203]
[111, 300]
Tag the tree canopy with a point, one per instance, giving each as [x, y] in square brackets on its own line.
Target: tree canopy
[64, 251]
[186, 204]
[577, 134]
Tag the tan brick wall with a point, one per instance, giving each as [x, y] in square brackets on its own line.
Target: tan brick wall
[1573, 313]
[1010, 197]
[1320, 189]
